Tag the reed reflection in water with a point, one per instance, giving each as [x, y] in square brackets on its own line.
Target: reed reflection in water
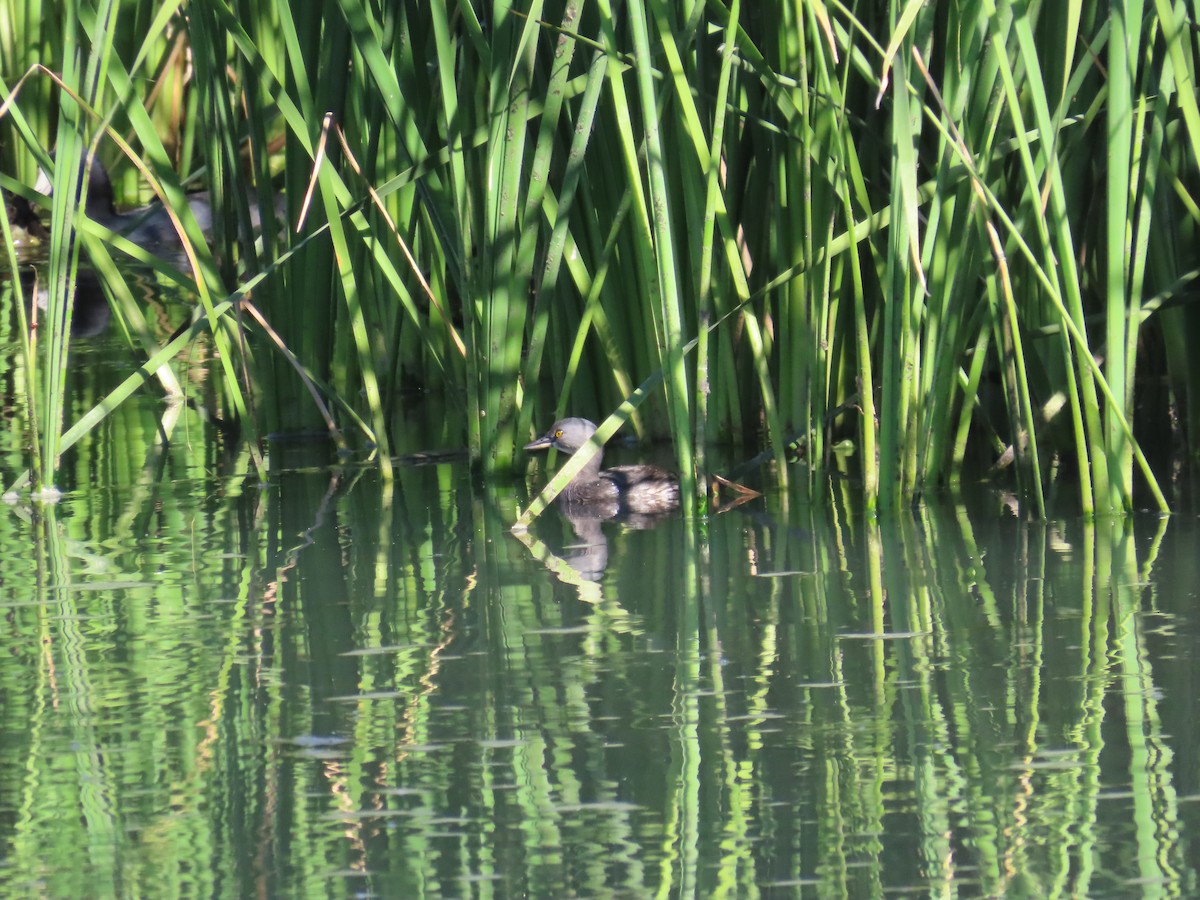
[329, 685]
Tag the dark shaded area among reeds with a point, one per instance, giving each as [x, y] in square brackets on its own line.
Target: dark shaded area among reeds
[960, 236]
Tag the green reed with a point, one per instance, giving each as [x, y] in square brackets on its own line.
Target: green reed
[882, 223]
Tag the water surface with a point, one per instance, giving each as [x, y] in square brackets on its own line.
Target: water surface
[329, 686]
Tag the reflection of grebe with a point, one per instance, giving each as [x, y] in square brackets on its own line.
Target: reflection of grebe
[637, 489]
[91, 313]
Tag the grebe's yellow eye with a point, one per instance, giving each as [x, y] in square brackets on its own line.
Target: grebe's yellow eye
[558, 434]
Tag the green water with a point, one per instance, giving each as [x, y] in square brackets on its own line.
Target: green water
[327, 687]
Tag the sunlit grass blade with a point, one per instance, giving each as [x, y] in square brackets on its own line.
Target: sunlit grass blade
[665, 291]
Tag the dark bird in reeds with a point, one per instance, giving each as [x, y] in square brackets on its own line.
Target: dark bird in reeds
[637, 489]
[150, 226]
[26, 225]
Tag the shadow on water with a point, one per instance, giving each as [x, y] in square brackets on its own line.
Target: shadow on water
[330, 684]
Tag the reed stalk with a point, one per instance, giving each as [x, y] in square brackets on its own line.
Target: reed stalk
[869, 216]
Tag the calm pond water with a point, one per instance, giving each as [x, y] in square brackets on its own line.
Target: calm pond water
[327, 686]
